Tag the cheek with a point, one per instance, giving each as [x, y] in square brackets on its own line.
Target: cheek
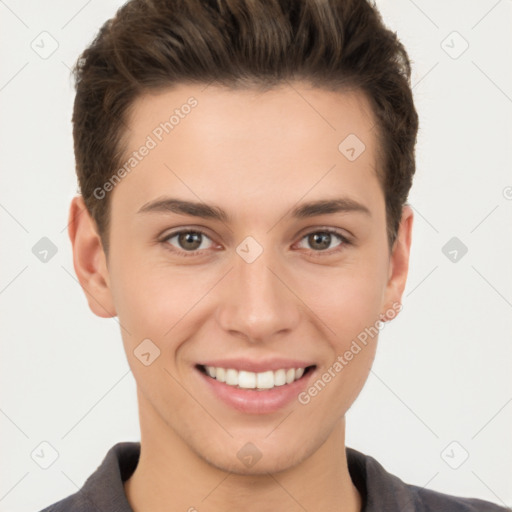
[348, 311]
[347, 299]
[157, 302]
[152, 303]
[151, 297]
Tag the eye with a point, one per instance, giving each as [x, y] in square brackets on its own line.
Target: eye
[320, 241]
[188, 241]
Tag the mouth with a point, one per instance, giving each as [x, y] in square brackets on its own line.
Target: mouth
[262, 392]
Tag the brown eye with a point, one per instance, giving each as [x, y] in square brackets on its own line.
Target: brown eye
[190, 240]
[187, 241]
[321, 241]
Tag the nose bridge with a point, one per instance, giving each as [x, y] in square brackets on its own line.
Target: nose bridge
[258, 284]
[257, 304]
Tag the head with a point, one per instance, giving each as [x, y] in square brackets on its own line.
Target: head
[251, 110]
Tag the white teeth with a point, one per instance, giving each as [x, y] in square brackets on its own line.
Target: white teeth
[220, 373]
[279, 377]
[250, 380]
[231, 377]
[265, 380]
[247, 380]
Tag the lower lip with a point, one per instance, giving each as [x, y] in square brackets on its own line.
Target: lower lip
[252, 401]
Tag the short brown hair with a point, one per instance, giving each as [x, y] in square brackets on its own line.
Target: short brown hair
[154, 44]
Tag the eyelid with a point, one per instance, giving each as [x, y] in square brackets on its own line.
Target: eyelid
[342, 233]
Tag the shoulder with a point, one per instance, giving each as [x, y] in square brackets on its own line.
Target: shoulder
[383, 491]
[104, 489]
[434, 501]
[73, 503]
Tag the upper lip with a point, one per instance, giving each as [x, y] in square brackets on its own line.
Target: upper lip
[251, 365]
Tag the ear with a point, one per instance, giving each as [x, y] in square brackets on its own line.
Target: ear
[398, 265]
[89, 259]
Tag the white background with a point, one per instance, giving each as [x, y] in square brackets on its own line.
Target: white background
[443, 368]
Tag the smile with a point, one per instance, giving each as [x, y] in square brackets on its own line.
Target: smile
[262, 392]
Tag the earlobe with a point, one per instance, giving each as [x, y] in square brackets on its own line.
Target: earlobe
[399, 264]
[89, 259]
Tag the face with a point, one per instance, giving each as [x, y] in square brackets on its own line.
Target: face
[283, 262]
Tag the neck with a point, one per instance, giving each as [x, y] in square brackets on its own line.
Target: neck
[170, 477]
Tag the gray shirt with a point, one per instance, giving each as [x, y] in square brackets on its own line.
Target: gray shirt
[380, 491]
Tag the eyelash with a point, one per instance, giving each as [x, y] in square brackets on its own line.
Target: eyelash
[186, 254]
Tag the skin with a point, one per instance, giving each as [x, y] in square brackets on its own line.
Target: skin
[257, 155]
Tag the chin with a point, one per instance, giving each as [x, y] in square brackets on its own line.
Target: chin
[249, 460]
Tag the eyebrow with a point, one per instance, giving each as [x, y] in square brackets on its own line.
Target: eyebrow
[206, 211]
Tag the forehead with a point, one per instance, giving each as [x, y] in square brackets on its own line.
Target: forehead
[300, 109]
[292, 140]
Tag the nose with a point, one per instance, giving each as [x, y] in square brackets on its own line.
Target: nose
[257, 302]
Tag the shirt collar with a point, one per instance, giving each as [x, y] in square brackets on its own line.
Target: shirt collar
[104, 488]
[380, 491]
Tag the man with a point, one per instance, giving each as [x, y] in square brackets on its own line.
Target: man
[244, 168]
